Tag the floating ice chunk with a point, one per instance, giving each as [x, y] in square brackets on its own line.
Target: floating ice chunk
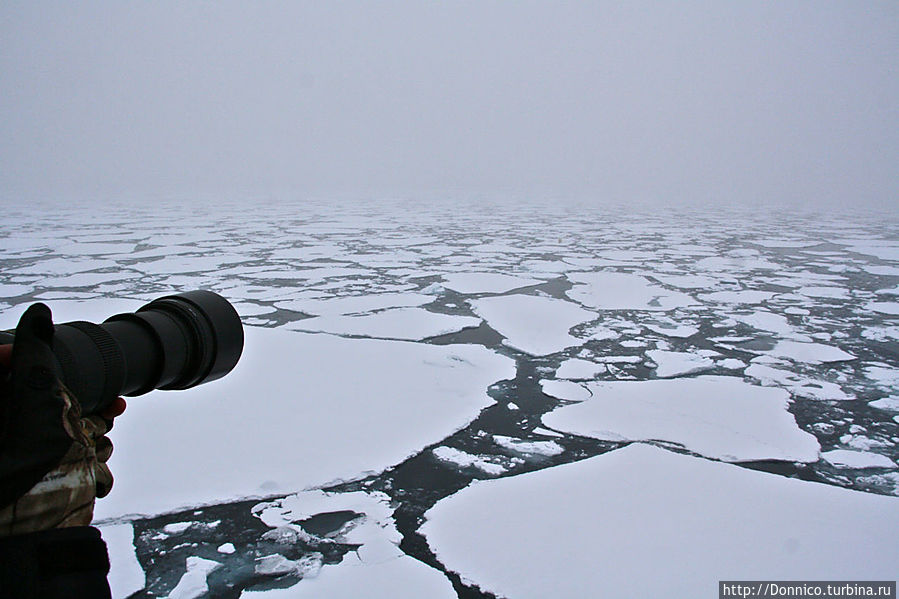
[486, 282]
[533, 324]
[176, 528]
[720, 417]
[800, 529]
[126, 576]
[576, 368]
[687, 281]
[540, 448]
[810, 353]
[796, 384]
[672, 363]
[400, 578]
[672, 329]
[890, 291]
[887, 403]
[193, 583]
[226, 548]
[467, 460]
[565, 390]
[824, 292]
[620, 359]
[291, 395]
[356, 304]
[623, 291]
[883, 376]
[12, 290]
[797, 311]
[891, 308]
[766, 321]
[277, 565]
[397, 323]
[747, 296]
[732, 364]
[844, 458]
[736, 263]
[547, 433]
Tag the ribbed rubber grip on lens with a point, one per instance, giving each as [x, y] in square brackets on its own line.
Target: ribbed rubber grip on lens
[113, 361]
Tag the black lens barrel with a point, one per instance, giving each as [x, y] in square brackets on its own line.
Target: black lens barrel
[174, 342]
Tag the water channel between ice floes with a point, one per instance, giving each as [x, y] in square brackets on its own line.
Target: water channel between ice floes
[588, 331]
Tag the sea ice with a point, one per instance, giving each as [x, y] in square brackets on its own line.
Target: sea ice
[126, 576]
[644, 522]
[355, 304]
[528, 448]
[810, 353]
[747, 296]
[887, 403]
[377, 568]
[486, 282]
[398, 323]
[575, 368]
[844, 458]
[533, 324]
[720, 417]
[464, 459]
[299, 410]
[193, 583]
[623, 291]
[797, 384]
[891, 308]
[673, 363]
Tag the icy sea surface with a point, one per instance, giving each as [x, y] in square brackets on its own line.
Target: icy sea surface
[475, 400]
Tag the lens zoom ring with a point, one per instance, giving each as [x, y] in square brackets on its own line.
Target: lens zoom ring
[113, 362]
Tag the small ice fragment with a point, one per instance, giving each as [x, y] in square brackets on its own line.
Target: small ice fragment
[193, 583]
[890, 403]
[543, 448]
[844, 458]
[226, 548]
[176, 528]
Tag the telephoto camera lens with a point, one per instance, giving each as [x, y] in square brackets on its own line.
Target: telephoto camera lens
[174, 342]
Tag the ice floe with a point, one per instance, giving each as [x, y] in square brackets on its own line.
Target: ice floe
[575, 368]
[720, 417]
[486, 282]
[644, 522]
[291, 398]
[623, 291]
[355, 304]
[397, 323]
[673, 363]
[810, 353]
[845, 458]
[536, 325]
[377, 568]
[797, 384]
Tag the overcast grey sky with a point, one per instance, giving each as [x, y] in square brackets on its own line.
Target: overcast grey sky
[728, 102]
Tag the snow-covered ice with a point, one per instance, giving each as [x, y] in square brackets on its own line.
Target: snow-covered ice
[644, 522]
[575, 368]
[623, 291]
[719, 417]
[486, 282]
[377, 568]
[846, 458]
[672, 363]
[396, 323]
[286, 402]
[533, 324]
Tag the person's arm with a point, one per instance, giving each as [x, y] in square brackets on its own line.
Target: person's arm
[52, 469]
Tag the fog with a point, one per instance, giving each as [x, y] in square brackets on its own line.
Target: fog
[715, 102]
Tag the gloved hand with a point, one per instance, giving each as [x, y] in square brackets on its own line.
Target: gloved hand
[52, 461]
